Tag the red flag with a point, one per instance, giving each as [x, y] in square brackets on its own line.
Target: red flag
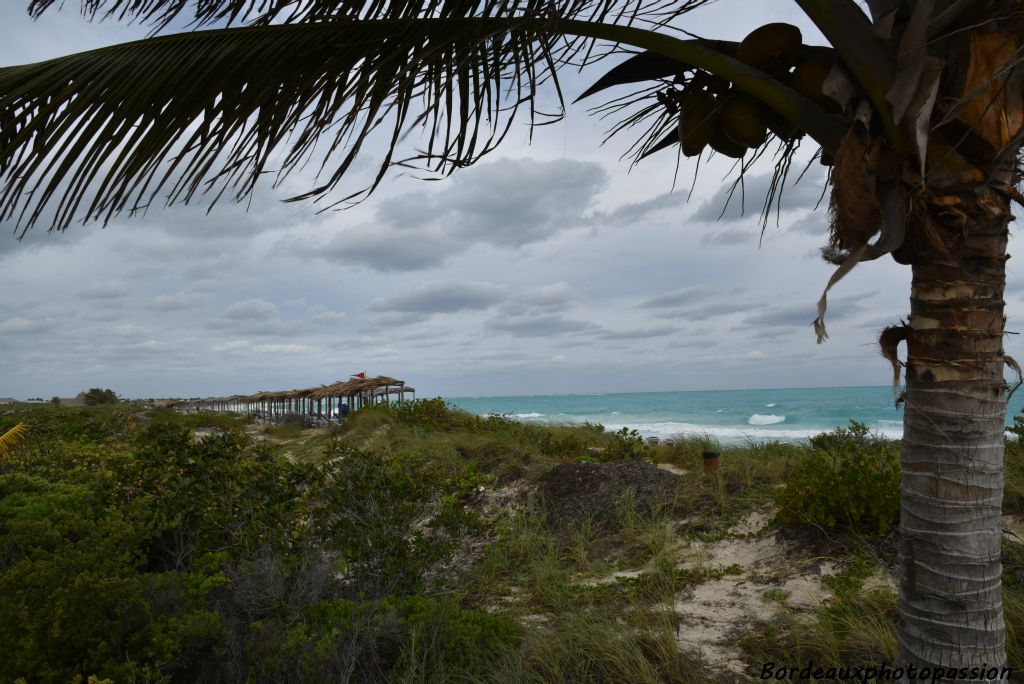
[361, 376]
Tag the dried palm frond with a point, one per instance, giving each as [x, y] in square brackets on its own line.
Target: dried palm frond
[12, 437]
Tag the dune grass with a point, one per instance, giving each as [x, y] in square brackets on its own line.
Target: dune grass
[583, 603]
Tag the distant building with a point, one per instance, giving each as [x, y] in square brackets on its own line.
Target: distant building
[73, 401]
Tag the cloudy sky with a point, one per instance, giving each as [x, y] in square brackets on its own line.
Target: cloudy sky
[549, 267]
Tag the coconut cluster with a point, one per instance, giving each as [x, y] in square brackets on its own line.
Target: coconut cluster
[713, 112]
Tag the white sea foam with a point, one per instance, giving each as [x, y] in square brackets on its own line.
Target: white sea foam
[769, 405]
[734, 435]
[770, 419]
[528, 415]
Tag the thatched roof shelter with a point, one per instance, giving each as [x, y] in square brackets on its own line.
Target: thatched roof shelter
[333, 399]
[368, 387]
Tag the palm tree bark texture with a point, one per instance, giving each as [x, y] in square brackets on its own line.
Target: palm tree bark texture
[952, 450]
[917, 104]
[951, 612]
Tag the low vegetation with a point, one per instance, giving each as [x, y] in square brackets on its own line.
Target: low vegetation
[415, 544]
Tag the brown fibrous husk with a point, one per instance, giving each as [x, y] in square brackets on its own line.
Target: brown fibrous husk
[853, 206]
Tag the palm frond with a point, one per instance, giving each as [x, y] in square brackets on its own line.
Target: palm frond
[94, 134]
[160, 13]
[12, 437]
[207, 113]
[649, 66]
[869, 59]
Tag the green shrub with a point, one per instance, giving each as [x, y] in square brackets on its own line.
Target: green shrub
[98, 395]
[626, 445]
[371, 510]
[73, 601]
[849, 481]
[429, 414]
[842, 437]
[413, 639]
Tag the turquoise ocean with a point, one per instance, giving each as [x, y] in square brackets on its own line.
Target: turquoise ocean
[731, 416]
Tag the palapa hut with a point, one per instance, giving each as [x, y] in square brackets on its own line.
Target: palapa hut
[324, 402]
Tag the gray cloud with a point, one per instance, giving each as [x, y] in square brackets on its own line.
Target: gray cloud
[638, 333]
[687, 295]
[106, 289]
[385, 249]
[393, 319]
[803, 314]
[538, 326]
[747, 200]
[321, 315]
[507, 203]
[635, 212]
[815, 223]
[706, 311]
[442, 297]
[263, 211]
[729, 236]
[252, 317]
[36, 239]
[554, 296]
[26, 326]
[251, 310]
[175, 302]
[541, 299]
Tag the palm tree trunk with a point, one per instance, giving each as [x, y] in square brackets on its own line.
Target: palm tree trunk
[952, 456]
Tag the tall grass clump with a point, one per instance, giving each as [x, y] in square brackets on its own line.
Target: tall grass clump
[603, 646]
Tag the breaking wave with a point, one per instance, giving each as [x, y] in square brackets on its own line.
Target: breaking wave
[758, 419]
[736, 434]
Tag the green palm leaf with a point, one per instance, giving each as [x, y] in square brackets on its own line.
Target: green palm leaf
[87, 136]
[12, 437]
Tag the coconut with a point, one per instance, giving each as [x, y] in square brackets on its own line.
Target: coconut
[696, 121]
[723, 144]
[773, 48]
[808, 78]
[740, 116]
[780, 126]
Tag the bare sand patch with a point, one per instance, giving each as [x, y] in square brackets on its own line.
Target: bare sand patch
[674, 469]
[712, 614]
[1013, 527]
[753, 523]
